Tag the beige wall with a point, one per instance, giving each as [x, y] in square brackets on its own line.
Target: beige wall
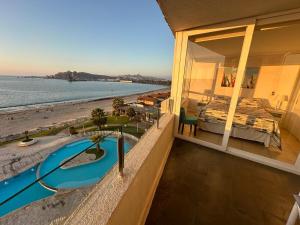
[165, 106]
[205, 84]
[273, 82]
[134, 206]
[291, 120]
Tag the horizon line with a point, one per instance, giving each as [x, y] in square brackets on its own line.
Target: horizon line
[44, 75]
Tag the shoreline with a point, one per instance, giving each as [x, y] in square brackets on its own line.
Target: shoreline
[13, 109]
[16, 122]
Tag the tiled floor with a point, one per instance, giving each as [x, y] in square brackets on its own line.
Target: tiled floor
[290, 147]
[204, 186]
[288, 153]
[203, 135]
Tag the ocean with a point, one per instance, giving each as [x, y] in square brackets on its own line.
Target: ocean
[18, 92]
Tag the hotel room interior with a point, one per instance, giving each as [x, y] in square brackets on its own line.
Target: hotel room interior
[266, 119]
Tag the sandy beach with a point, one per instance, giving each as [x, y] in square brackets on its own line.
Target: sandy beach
[28, 119]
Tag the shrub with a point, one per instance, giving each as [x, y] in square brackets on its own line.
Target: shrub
[72, 130]
[130, 112]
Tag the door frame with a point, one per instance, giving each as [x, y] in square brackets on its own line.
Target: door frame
[179, 70]
[180, 52]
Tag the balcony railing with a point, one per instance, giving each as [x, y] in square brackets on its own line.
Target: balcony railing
[40, 179]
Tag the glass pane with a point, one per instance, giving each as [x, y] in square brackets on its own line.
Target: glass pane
[210, 71]
[266, 120]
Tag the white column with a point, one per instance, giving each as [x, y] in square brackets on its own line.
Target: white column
[294, 215]
[178, 73]
[238, 82]
[297, 163]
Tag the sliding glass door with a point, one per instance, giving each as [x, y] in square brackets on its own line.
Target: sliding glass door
[266, 119]
[237, 89]
[210, 72]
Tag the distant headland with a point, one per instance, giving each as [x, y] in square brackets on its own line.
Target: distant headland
[83, 76]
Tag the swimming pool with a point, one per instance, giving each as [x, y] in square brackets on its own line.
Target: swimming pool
[72, 177]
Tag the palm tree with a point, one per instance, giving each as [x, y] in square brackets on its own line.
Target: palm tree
[98, 117]
[96, 139]
[117, 103]
[26, 135]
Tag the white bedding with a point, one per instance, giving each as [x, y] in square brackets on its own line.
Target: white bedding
[251, 121]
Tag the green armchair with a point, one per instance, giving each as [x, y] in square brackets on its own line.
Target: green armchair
[184, 119]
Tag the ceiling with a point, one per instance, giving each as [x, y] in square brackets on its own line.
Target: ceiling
[281, 40]
[187, 14]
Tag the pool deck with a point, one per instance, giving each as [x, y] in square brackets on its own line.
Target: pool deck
[203, 186]
[52, 210]
[15, 159]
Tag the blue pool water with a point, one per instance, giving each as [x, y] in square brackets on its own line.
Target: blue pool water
[15, 184]
[82, 175]
[72, 177]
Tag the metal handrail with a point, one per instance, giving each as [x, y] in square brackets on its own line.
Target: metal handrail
[158, 117]
[51, 171]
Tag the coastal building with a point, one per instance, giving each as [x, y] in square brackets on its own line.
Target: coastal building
[147, 100]
[236, 82]
[161, 96]
[125, 81]
[153, 99]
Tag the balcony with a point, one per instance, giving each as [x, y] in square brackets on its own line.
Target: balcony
[201, 186]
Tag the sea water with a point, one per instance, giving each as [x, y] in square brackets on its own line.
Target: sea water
[18, 92]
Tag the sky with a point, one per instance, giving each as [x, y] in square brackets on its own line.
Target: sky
[40, 37]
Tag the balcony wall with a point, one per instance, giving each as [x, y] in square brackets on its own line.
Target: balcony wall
[126, 200]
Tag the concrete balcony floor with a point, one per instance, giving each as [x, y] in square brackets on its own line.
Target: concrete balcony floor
[203, 186]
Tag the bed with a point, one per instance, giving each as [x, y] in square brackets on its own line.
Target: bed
[251, 120]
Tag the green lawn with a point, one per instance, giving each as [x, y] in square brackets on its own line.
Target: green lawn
[89, 126]
[12, 141]
[88, 123]
[117, 119]
[128, 129]
[132, 130]
[50, 132]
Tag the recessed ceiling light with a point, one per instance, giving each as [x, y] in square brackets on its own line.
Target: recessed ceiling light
[272, 28]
